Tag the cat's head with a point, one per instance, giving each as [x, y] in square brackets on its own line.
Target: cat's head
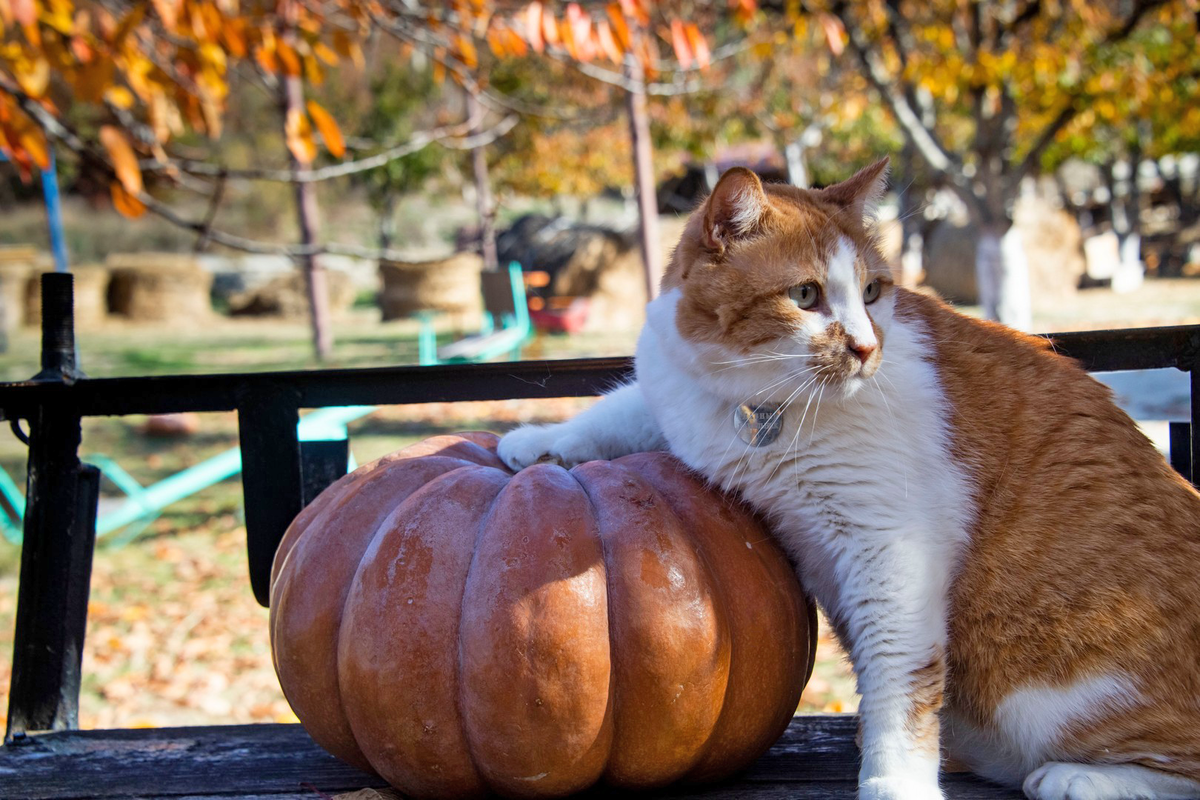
[778, 279]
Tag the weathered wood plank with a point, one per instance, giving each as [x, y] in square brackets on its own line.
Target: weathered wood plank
[815, 758]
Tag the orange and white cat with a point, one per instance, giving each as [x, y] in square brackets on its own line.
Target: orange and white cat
[1012, 567]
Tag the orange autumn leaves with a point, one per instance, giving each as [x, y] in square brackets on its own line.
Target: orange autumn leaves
[161, 67]
[614, 31]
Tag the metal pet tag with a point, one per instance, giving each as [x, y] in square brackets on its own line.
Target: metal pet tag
[757, 425]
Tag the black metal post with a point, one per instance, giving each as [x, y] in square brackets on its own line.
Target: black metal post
[60, 534]
[58, 329]
[1181, 448]
[56, 570]
[321, 463]
[271, 477]
[1195, 448]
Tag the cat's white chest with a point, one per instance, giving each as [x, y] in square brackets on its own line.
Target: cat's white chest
[845, 477]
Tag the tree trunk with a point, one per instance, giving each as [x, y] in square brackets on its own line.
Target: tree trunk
[909, 212]
[387, 222]
[308, 216]
[483, 189]
[1126, 214]
[797, 166]
[643, 166]
[1002, 272]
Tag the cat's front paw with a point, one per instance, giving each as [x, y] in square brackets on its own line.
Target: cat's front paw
[540, 444]
[898, 787]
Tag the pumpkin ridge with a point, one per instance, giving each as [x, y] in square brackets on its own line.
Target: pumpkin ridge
[438, 484]
[673, 546]
[724, 530]
[459, 682]
[519, 642]
[338, 728]
[614, 686]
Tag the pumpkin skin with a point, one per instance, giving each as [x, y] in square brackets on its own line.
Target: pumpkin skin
[461, 630]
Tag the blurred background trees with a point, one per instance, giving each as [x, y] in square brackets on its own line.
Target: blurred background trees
[173, 107]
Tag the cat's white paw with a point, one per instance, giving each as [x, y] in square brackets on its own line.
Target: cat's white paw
[898, 787]
[1059, 781]
[538, 444]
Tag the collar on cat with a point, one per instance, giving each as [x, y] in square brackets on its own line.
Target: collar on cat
[757, 424]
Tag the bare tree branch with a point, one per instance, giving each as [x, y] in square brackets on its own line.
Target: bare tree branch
[214, 205]
[923, 138]
[449, 136]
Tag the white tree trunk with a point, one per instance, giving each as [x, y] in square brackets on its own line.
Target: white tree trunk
[796, 167]
[1002, 272]
[1131, 271]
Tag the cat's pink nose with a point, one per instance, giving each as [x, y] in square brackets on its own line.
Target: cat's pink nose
[863, 351]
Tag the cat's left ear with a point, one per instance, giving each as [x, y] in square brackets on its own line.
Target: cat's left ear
[734, 209]
[861, 192]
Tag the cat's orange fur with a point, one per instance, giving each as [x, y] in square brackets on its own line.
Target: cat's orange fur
[1042, 580]
[1086, 554]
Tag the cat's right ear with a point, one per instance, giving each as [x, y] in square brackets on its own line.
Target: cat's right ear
[734, 209]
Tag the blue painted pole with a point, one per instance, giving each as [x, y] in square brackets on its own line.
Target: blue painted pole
[51, 199]
[58, 241]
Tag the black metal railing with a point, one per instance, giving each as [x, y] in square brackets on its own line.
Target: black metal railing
[280, 474]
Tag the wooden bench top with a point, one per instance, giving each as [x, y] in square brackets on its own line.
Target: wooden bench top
[815, 759]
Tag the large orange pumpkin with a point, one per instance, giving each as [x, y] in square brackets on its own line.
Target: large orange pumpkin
[459, 629]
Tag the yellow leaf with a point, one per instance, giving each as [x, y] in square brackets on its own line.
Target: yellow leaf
[289, 59]
[323, 52]
[466, 51]
[300, 136]
[124, 202]
[328, 128]
[265, 56]
[619, 28]
[124, 160]
[35, 77]
[699, 45]
[608, 43]
[495, 41]
[33, 142]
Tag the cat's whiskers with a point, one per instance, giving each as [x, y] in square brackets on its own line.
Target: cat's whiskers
[816, 410]
[786, 378]
[795, 437]
[774, 416]
[756, 360]
[883, 394]
[733, 439]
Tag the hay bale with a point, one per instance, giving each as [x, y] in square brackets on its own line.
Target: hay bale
[450, 285]
[16, 265]
[159, 287]
[91, 296]
[1053, 243]
[286, 296]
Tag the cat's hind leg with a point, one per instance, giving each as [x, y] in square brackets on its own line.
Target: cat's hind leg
[620, 424]
[1063, 781]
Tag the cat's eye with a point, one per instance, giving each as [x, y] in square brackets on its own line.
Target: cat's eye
[805, 295]
[872, 292]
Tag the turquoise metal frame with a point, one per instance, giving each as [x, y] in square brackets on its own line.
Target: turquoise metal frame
[143, 504]
[497, 336]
